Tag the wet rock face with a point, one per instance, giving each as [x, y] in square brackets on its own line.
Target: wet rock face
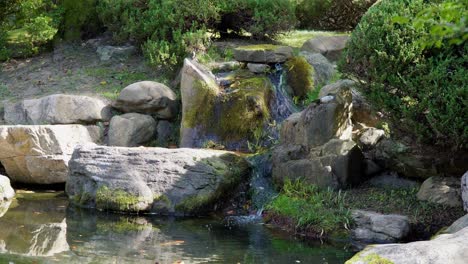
[315, 146]
[39, 154]
[372, 227]
[449, 248]
[131, 130]
[329, 46]
[265, 53]
[441, 190]
[226, 115]
[57, 109]
[464, 190]
[164, 181]
[148, 98]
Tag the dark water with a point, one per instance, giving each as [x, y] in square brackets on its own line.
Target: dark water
[39, 228]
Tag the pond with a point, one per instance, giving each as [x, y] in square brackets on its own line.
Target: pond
[40, 227]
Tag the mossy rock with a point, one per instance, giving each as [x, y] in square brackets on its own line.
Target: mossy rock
[300, 75]
[229, 117]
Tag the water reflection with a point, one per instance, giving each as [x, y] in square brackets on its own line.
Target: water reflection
[41, 230]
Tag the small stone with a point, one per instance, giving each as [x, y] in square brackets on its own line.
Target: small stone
[390, 179]
[371, 137]
[377, 228]
[258, 67]
[441, 190]
[107, 53]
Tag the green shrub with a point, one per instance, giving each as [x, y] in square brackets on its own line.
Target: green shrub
[423, 87]
[26, 26]
[168, 30]
[261, 18]
[331, 14]
[80, 19]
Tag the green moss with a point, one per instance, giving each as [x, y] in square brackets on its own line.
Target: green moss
[300, 76]
[369, 259]
[201, 108]
[229, 168]
[259, 47]
[231, 115]
[119, 200]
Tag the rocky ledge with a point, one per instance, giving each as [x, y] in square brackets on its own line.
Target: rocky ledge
[156, 180]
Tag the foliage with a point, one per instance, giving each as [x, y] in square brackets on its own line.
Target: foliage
[310, 207]
[260, 18]
[168, 30]
[80, 18]
[26, 26]
[412, 70]
[331, 14]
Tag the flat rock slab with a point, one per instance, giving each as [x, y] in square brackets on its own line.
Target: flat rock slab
[39, 154]
[450, 248]
[57, 109]
[158, 180]
[265, 53]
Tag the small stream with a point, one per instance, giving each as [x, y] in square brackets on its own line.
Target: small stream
[40, 227]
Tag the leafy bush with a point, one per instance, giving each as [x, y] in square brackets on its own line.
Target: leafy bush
[80, 19]
[331, 14]
[27, 25]
[170, 29]
[261, 18]
[422, 86]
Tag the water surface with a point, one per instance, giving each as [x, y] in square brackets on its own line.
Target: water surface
[41, 228]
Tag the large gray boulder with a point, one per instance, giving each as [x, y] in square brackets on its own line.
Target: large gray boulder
[39, 154]
[441, 190]
[447, 248]
[148, 97]
[6, 192]
[362, 110]
[57, 109]
[323, 69]
[131, 130]
[158, 180]
[373, 227]
[265, 53]
[228, 116]
[329, 46]
[315, 145]
[464, 190]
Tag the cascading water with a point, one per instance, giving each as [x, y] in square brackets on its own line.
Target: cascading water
[261, 186]
[282, 106]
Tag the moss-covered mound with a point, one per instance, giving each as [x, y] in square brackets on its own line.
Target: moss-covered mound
[300, 76]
